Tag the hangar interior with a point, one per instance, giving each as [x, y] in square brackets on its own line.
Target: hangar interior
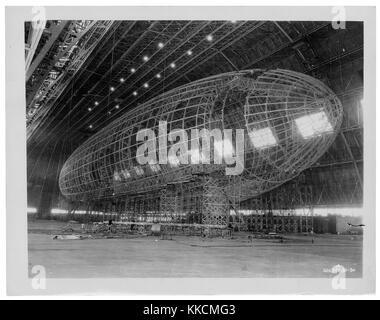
[86, 77]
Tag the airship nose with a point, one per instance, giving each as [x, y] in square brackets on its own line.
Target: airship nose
[291, 119]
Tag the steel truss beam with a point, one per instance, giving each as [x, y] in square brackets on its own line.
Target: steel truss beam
[84, 43]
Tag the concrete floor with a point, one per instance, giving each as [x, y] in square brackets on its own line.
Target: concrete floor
[190, 256]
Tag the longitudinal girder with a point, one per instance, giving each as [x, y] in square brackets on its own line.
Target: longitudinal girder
[272, 107]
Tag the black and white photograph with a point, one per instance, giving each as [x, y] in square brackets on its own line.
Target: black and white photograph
[172, 150]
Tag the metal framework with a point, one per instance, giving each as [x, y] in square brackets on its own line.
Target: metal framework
[289, 208]
[289, 120]
[230, 40]
[57, 62]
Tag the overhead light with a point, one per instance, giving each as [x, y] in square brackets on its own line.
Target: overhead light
[133, 70]
[262, 138]
[145, 58]
[233, 21]
[313, 125]
[189, 52]
[135, 93]
[172, 65]
[89, 109]
[90, 126]
[122, 80]
[112, 89]
[146, 85]
[109, 112]
[96, 103]
[158, 76]
[117, 106]
[160, 45]
[209, 37]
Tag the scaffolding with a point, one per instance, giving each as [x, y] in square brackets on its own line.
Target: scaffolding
[288, 209]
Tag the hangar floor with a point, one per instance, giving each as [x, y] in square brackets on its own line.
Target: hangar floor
[148, 256]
